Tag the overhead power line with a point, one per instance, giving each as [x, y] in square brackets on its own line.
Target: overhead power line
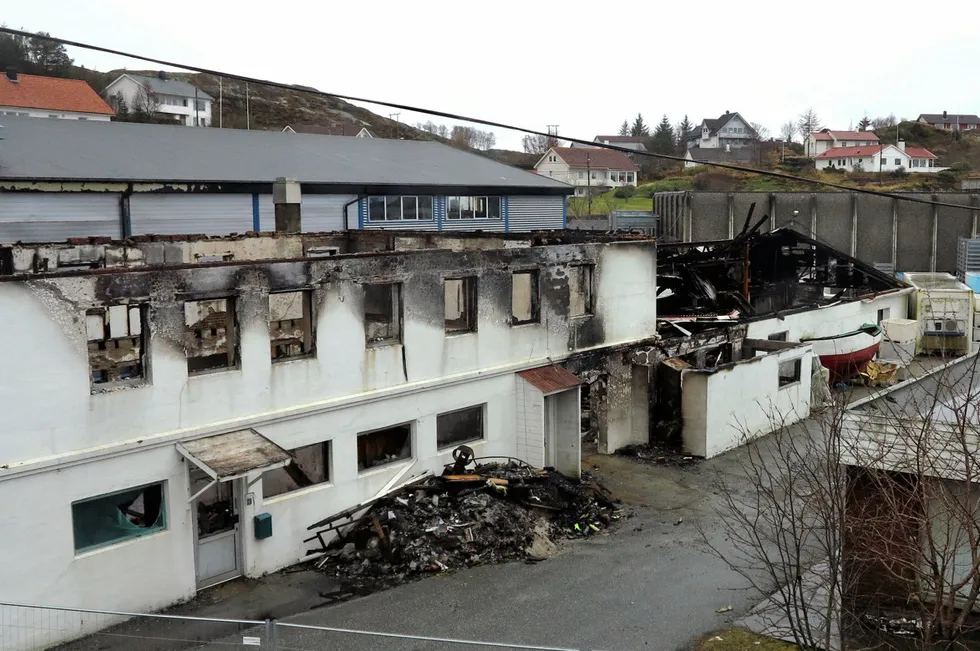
[464, 118]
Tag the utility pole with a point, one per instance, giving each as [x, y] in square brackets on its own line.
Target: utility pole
[221, 105]
[248, 115]
[588, 177]
[552, 135]
[394, 116]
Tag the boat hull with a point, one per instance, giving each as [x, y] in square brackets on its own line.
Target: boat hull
[848, 355]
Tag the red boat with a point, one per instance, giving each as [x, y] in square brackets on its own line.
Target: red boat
[845, 355]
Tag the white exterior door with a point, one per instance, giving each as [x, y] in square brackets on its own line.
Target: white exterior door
[217, 511]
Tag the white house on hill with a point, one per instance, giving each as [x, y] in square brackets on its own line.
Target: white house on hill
[588, 168]
[820, 141]
[729, 130]
[164, 95]
[886, 158]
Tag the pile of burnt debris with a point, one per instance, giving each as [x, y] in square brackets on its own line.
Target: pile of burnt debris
[658, 453]
[499, 511]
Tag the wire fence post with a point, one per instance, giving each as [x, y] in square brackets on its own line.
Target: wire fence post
[270, 634]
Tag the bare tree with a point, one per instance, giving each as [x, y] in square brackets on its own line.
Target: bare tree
[787, 131]
[883, 122]
[851, 516]
[762, 133]
[145, 100]
[808, 122]
[540, 144]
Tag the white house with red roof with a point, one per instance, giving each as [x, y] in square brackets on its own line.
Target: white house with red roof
[820, 141]
[588, 168]
[874, 158]
[50, 97]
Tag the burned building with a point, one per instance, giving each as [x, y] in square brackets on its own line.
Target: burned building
[168, 393]
[742, 322]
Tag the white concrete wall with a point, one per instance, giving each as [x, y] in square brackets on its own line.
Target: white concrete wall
[62, 115]
[735, 404]
[832, 320]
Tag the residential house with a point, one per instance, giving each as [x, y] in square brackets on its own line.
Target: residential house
[335, 128]
[168, 179]
[163, 95]
[700, 155]
[588, 169]
[950, 121]
[50, 97]
[820, 141]
[873, 158]
[174, 380]
[636, 143]
[729, 130]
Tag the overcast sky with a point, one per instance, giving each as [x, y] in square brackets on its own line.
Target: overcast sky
[581, 65]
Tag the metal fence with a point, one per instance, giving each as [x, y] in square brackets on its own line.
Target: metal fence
[34, 628]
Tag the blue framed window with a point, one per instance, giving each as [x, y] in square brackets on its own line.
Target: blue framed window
[119, 516]
[395, 208]
[473, 208]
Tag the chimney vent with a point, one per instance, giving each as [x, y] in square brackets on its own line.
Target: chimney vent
[12, 74]
[944, 115]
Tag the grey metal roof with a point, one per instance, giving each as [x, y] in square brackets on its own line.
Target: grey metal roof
[721, 155]
[171, 86]
[33, 148]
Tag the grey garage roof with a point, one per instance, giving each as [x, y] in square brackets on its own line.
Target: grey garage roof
[47, 149]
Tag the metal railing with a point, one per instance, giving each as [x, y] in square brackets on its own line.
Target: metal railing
[25, 627]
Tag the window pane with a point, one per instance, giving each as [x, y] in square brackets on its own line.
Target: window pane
[459, 426]
[466, 207]
[524, 297]
[493, 207]
[394, 208]
[376, 209]
[310, 466]
[120, 516]
[384, 446]
[452, 210]
[480, 207]
[409, 208]
[425, 208]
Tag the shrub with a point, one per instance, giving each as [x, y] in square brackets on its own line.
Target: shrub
[898, 173]
[960, 166]
[624, 192]
[946, 178]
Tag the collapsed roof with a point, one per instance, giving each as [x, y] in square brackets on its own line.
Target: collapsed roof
[758, 275]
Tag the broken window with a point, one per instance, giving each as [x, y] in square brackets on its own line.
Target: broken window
[384, 446]
[580, 290]
[460, 294]
[119, 516]
[524, 297]
[459, 426]
[116, 343]
[290, 325]
[789, 372]
[382, 313]
[883, 314]
[210, 339]
[779, 336]
[310, 465]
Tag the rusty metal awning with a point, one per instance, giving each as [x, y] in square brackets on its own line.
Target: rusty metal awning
[224, 457]
[550, 379]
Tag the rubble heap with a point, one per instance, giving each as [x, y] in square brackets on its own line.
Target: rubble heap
[496, 512]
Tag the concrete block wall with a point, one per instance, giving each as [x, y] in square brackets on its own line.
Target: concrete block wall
[912, 236]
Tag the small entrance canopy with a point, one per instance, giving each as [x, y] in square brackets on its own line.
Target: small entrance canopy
[224, 457]
[550, 379]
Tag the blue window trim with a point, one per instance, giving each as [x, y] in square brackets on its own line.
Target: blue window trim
[360, 212]
[256, 223]
[439, 205]
[564, 212]
[505, 207]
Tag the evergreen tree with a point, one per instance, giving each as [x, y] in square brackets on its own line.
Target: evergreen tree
[864, 123]
[639, 127]
[624, 128]
[663, 138]
[49, 55]
[682, 130]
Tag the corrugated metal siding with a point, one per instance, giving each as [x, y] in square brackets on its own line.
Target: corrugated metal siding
[535, 213]
[41, 217]
[323, 212]
[267, 213]
[176, 214]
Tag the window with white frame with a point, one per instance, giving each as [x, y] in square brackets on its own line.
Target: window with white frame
[399, 208]
[898, 161]
[473, 207]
